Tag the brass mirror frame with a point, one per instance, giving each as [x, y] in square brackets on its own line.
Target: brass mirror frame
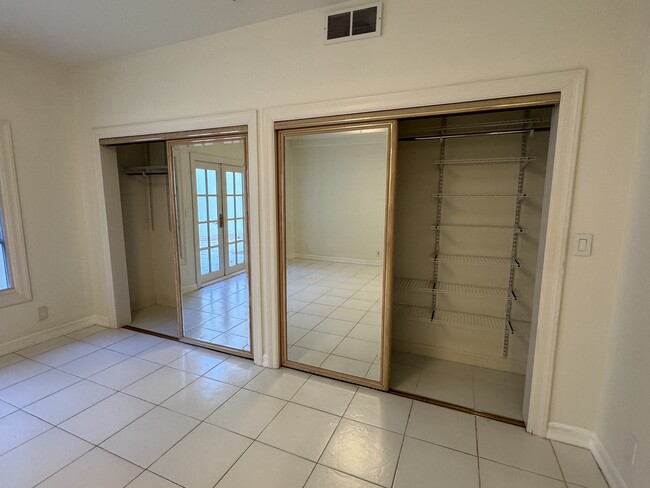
[387, 278]
[233, 133]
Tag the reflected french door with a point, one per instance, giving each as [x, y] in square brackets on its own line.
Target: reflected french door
[219, 220]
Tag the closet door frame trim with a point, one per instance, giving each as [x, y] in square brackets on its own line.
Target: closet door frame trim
[387, 268]
[569, 84]
[105, 180]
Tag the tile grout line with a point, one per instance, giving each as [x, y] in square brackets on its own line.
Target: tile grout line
[401, 447]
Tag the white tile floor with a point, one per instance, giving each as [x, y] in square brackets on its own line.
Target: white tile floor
[483, 389]
[217, 313]
[334, 314]
[171, 415]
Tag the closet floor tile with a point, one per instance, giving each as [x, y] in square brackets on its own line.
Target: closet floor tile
[390, 412]
[325, 394]
[442, 426]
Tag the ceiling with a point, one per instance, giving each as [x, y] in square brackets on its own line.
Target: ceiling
[74, 32]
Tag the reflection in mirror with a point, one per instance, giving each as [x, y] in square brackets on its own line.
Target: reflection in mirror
[335, 212]
[211, 209]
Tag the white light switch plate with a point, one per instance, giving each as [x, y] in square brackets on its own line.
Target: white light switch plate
[582, 244]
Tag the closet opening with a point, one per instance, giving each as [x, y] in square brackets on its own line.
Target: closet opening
[184, 215]
[439, 300]
[469, 219]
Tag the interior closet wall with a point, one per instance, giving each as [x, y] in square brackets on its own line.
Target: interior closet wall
[147, 236]
[416, 209]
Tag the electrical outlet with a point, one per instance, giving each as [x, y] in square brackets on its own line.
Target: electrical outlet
[42, 313]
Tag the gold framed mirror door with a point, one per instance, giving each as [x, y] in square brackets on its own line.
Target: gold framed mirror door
[209, 208]
[335, 220]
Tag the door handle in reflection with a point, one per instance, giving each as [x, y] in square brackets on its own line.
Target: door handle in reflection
[221, 220]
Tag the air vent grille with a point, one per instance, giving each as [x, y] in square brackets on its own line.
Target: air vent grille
[355, 23]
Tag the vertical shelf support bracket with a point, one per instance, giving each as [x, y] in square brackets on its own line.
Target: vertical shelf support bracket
[441, 179]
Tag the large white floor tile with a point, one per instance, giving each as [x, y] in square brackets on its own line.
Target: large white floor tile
[366, 333]
[424, 465]
[236, 371]
[150, 480]
[579, 466]
[363, 451]
[200, 398]
[506, 400]
[247, 413]
[443, 426]
[86, 332]
[281, 383]
[202, 457]
[45, 346]
[65, 354]
[495, 475]
[19, 427]
[160, 385]
[19, 371]
[97, 468]
[103, 419]
[281, 469]
[37, 387]
[166, 352]
[125, 373]
[68, 402]
[325, 394]
[41, 457]
[380, 409]
[198, 361]
[10, 358]
[108, 337]
[300, 430]
[324, 477]
[404, 377]
[150, 436]
[6, 409]
[93, 363]
[348, 314]
[513, 446]
[136, 344]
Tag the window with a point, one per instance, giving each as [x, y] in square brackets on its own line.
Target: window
[14, 276]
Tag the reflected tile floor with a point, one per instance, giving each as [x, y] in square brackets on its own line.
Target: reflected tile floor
[217, 313]
[171, 415]
[487, 390]
[334, 314]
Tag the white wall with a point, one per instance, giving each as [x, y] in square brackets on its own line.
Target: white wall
[35, 97]
[626, 400]
[424, 44]
[336, 197]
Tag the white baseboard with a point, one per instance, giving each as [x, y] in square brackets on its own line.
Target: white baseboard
[577, 436]
[334, 259]
[51, 333]
[446, 354]
[189, 288]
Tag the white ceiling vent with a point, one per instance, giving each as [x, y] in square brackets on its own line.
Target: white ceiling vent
[353, 23]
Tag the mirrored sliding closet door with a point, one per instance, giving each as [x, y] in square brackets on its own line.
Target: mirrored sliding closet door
[211, 218]
[335, 192]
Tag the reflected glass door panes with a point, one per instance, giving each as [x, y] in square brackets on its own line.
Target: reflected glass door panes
[208, 222]
[235, 218]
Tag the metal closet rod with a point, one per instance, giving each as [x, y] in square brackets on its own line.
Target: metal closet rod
[473, 134]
